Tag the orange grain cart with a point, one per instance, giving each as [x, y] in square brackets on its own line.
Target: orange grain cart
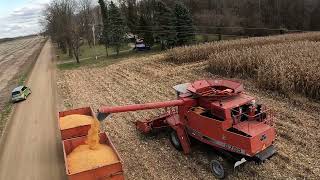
[108, 172]
[77, 131]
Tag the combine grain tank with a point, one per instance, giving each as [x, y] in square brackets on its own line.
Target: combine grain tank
[111, 172]
[77, 131]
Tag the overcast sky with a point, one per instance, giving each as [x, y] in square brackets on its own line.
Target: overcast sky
[20, 17]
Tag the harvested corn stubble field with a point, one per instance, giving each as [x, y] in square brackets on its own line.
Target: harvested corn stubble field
[16, 60]
[150, 79]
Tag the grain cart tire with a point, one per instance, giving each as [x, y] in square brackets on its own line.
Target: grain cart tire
[174, 139]
[219, 168]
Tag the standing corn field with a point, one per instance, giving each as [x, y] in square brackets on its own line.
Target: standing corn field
[202, 51]
[148, 79]
[288, 67]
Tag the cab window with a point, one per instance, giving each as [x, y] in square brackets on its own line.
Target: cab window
[24, 88]
[15, 93]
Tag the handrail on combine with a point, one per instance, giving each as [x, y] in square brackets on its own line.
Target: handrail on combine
[264, 117]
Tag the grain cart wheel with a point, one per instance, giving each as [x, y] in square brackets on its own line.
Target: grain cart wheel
[175, 140]
[219, 168]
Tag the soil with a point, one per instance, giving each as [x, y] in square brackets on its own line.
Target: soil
[151, 79]
[16, 59]
[32, 146]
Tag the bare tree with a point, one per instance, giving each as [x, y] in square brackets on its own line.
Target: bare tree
[63, 25]
[86, 19]
[76, 31]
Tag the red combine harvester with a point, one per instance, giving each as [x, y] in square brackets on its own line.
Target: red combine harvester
[217, 113]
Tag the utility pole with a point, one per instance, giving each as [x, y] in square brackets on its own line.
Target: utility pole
[260, 14]
[94, 40]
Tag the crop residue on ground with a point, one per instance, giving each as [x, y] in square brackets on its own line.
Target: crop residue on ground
[152, 157]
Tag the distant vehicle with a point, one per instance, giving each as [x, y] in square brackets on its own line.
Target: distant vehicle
[141, 46]
[20, 93]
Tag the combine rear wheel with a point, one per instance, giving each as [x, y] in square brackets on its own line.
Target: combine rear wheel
[175, 141]
[220, 168]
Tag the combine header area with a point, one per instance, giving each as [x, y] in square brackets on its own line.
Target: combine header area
[217, 113]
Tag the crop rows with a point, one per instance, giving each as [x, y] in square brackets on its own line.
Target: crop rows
[289, 67]
[150, 79]
[202, 51]
[11, 46]
[16, 57]
[288, 63]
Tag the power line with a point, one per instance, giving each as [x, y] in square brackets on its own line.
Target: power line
[221, 27]
[185, 32]
[195, 33]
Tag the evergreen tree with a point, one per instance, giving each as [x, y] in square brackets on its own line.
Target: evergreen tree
[314, 22]
[117, 27]
[184, 24]
[165, 25]
[132, 16]
[145, 31]
[105, 19]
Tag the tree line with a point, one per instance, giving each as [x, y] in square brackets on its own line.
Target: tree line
[172, 23]
[70, 23]
[246, 17]
[153, 21]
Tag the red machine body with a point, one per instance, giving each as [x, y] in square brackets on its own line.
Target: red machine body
[215, 112]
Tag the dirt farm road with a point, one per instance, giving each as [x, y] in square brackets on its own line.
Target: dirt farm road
[31, 149]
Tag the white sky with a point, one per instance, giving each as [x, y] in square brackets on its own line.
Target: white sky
[20, 17]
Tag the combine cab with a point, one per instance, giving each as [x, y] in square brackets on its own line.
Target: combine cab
[217, 113]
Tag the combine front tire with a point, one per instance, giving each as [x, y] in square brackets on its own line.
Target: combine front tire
[219, 168]
[175, 141]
